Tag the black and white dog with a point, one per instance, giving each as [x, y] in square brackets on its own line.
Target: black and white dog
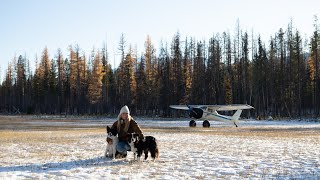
[133, 140]
[148, 144]
[112, 141]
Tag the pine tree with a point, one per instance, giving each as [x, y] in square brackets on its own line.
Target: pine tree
[95, 81]
[176, 71]
[313, 67]
[121, 81]
[53, 87]
[60, 82]
[198, 84]
[151, 91]
[21, 84]
[141, 79]
[187, 72]
[246, 70]
[228, 72]
[7, 89]
[165, 98]
[44, 76]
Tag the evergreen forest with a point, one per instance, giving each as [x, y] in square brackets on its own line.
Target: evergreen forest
[279, 77]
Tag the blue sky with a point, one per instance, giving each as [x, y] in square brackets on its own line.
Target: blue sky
[28, 26]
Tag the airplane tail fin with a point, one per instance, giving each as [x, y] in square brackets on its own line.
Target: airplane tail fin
[236, 115]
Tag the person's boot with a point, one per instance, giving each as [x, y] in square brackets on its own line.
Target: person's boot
[120, 155]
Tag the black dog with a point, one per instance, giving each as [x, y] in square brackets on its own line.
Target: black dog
[148, 144]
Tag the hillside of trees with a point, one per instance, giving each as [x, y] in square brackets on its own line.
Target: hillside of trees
[279, 77]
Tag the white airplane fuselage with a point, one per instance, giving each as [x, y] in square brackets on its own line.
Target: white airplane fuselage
[215, 116]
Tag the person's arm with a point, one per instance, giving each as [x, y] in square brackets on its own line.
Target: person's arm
[137, 129]
[115, 125]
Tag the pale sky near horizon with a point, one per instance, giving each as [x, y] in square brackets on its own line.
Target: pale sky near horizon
[28, 26]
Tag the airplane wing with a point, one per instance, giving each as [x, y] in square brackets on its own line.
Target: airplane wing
[230, 107]
[182, 107]
[186, 107]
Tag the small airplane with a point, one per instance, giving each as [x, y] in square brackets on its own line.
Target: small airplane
[209, 112]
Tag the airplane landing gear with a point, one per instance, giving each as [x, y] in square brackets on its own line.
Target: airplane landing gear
[192, 123]
[235, 124]
[206, 123]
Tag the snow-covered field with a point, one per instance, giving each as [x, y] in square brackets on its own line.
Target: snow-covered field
[38, 148]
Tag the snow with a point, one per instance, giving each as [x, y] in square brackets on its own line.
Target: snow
[255, 150]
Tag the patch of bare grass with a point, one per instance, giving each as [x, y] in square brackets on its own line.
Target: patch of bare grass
[55, 136]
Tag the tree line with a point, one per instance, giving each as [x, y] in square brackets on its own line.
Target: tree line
[279, 78]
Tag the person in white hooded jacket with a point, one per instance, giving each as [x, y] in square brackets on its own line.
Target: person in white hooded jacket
[125, 124]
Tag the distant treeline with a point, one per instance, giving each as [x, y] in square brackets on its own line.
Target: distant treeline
[279, 78]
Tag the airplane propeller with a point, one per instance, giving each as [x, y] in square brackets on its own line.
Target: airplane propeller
[195, 112]
[190, 111]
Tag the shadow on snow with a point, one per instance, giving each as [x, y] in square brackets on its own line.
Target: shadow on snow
[56, 166]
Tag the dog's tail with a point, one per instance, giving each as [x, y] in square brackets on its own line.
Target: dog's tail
[157, 153]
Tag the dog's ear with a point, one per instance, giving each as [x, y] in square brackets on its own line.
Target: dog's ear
[129, 135]
[108, 129]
